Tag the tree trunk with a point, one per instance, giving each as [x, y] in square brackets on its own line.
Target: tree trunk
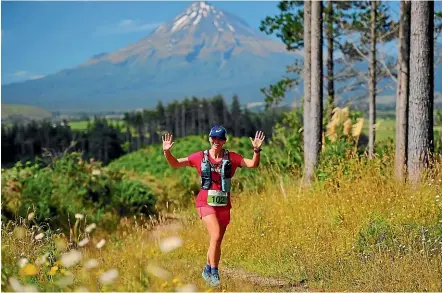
[129, 137]
[183, 120]
[200, 118]
[167, 117]
[330, 61]
[194, 119]
[316, 87]
[420, 136]
[140, 137]
[402, 90]
[177, 121]
[226, 121]
[105, 149]
[372, 101]
[307, 89]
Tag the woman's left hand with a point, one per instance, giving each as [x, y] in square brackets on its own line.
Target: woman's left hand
[259, 139]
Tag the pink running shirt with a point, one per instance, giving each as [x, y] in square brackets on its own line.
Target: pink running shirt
[195, 160]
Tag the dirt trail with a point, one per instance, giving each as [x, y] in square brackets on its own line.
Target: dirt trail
[265, 282]
[237, 274]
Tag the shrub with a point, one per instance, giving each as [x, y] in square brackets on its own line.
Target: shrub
[70, 185]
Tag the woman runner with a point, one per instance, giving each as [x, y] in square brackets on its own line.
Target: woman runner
[213, 201]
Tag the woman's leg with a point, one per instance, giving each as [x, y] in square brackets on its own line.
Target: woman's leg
[218, 248]
[216, 222]
[216, 225]
[216, 234]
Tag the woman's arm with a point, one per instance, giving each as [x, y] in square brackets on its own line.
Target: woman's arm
[251, 163]
[257, 142]
[167, 146]
[174, 162]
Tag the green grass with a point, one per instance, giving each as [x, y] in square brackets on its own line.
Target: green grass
[30, 112]
[387, 129]
[82, 125]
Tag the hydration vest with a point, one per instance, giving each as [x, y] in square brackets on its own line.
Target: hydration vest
[206, 172]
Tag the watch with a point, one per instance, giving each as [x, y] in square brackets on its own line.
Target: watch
[256, 150]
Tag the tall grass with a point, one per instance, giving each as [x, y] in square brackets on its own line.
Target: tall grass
[366, 232]
[356, 230]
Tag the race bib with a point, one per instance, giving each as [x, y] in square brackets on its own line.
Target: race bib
[217, 198]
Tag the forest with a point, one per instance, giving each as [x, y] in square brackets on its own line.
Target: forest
[106, 141]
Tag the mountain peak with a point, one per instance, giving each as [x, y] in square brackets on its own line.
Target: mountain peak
[195, 13]
[199, 32]
[201, 16]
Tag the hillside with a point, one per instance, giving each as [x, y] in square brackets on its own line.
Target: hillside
[13, 111]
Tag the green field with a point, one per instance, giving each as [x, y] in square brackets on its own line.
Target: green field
[30, 112]
[387, 129]
[82, 125]
[384, 131]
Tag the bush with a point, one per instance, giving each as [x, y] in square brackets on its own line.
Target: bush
[70, 185]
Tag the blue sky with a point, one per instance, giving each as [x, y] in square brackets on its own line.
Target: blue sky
[39, 38]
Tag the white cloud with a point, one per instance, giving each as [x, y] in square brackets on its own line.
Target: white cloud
[127, 26]
[23, 74]
[38, 76]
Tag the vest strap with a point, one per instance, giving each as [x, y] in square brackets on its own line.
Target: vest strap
[206, 171]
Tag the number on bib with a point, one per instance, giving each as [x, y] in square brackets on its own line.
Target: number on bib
[217, 198]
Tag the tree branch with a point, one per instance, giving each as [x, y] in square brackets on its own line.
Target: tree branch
[352, 41]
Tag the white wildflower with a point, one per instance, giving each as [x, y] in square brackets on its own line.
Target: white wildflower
[101, 243]
[108, 276]
[31, 216]
[96, 172]
[15, 284]
[158, 272]
[70, 258]
[83, 242]
[79, 216]
[39, 236]
[90, 227]
[170, 243]
[91, 263]
[22, 262]
[186, 288]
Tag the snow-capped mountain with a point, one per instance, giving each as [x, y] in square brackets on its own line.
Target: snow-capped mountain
[200, 32]
[203, 51]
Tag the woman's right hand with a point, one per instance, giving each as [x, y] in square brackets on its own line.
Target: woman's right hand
[167, 141]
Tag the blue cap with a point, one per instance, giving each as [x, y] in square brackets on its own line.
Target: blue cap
[218, 131]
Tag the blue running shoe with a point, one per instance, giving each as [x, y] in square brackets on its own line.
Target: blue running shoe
[214, 280]
[206, 276]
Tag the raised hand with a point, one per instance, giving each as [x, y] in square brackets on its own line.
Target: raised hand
[167, 141]
[259, 139]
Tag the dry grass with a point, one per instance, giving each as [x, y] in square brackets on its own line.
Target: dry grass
[358, 233]
[364, 232]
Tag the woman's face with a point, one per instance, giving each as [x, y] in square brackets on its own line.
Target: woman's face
[216, 143]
